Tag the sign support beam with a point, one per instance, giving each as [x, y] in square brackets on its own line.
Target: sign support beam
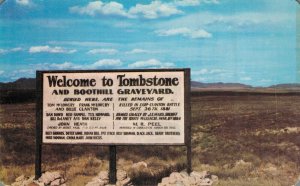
[38, 131]
[38, 161]
[189, 159]
[188, 124]
[112, 164]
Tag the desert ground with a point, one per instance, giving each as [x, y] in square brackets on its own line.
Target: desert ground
[245, 139]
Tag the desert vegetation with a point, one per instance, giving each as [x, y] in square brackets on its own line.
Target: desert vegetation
[244, 139]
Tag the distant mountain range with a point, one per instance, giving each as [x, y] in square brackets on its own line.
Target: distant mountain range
[20, 84]
[286, 86]
[29, 84]
[195, 84]
[23, 90]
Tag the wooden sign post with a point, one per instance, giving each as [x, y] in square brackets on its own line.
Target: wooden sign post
[113, 107]
[112, 164]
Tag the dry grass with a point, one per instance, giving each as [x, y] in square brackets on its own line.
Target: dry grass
[251, 182]
[9, 173]
[243, 139]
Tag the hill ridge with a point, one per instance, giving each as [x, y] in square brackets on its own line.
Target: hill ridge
[30, 84]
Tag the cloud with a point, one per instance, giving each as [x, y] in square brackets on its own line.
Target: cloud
[30, 72]
[138, 51]
[101, 8]
[16, 49]
[56, 66]
[246, 78]
[239, 21]
[194, 2]
[205, 71]
[24, 71]
[65, 65]
[69, 65]
[83, 43]
[186, 32]
[210, 75]
[107, 63]
[154, 10]
[109, 51]
[265, 80]
[4, 51]
[187, 2]
[122, 24]
[23, 2]
[18, 73]
[151, 63]
[212, 1]
[51, 22]
[46, 48]
[114, 8]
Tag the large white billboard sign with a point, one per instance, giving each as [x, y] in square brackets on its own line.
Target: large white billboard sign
[114, 107]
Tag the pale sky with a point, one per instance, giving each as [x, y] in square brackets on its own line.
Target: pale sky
[239, 41]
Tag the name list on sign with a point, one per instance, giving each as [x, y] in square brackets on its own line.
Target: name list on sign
[114, 107]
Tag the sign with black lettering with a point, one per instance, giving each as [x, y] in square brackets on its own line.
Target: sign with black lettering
[114, 107]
